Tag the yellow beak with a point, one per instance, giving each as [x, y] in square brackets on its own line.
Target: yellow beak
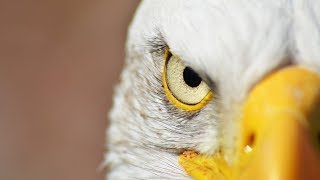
[280, 133]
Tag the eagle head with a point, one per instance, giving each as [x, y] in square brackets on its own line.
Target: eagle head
[219, 89]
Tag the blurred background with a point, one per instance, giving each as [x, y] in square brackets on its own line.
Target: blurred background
[59, 61]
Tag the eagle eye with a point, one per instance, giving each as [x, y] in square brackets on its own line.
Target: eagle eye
[183, 86]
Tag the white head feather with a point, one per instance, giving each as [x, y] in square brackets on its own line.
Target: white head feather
[235, 43]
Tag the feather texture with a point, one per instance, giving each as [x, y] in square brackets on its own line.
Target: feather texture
[235, 43]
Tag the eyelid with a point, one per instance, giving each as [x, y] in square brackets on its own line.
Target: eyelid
[167, 55]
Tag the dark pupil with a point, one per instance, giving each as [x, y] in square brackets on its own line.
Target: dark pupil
[191, 78]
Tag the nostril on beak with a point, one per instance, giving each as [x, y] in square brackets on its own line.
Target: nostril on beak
[250, 143]
[251, 139]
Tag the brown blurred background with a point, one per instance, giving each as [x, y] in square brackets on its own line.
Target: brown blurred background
[59, 61]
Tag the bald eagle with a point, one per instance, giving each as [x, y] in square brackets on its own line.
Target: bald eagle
[219, 89]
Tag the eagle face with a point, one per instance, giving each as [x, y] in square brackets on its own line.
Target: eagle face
[219, 89]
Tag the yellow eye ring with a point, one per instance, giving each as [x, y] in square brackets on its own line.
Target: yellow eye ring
[173, 99]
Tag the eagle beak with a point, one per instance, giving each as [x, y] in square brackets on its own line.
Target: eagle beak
[281, 128]
[279, 136]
